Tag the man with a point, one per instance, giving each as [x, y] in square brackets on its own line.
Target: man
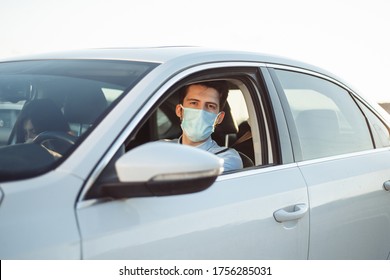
[200, 109]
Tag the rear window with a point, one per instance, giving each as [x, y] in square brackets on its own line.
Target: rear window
[328, 122]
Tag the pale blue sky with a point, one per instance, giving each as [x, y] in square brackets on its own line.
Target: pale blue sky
[348, 38]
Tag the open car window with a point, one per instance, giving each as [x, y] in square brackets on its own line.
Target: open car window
[239, 130]
[46, 108]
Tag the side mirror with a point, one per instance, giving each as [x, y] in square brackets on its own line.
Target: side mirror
[163, 168]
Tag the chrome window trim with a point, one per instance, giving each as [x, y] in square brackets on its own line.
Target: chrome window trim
[1, 195]
[255, 171]
[330, 79]
[312, 73]
[230, 176]
[343, 156]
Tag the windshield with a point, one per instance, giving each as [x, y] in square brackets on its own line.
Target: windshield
[44, 108]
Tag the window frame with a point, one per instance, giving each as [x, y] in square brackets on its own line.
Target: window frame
[249, 72]
[365, 107]
[249, 77]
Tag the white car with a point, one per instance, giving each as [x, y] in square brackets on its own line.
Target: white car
[315, 182]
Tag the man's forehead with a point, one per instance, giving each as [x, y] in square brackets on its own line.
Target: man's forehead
[200, 92]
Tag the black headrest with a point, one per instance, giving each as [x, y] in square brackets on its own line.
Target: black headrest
[228, 125]
[84, 107]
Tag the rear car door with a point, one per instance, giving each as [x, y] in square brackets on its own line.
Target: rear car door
[344, 156]
[259, 212]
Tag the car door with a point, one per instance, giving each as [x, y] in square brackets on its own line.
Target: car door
[254, 213]
[346, 171]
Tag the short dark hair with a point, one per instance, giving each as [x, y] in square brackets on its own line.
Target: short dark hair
[220, 86]
[44, 115]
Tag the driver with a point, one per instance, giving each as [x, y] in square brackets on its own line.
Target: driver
[38, 116]
[200, 109]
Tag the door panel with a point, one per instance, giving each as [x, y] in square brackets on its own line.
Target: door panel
[350, 213]
[233, 219]
[38, 219]
[349, 207]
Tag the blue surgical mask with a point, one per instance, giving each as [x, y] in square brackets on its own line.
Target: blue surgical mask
[198, 124]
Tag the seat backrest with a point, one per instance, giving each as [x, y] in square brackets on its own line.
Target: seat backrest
[82, 109]
[244, 142]
[246, 161]
[318, 131]
[229, 134]
[227, 128]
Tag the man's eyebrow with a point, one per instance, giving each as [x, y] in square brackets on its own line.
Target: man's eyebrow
[198, 100]
[192, 99]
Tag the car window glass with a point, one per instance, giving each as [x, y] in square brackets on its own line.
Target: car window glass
[327, 120]
[163, 123]
[53, 103]
[380, 131]
[111, 94]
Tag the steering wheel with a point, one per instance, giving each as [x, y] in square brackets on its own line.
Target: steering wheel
[57, 141]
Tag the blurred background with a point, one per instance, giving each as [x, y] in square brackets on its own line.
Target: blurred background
[346, 37]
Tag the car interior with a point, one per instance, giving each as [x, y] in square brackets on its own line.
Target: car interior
[83, 103]
[162, 123]
[82, 90]
[233, 132]
[79, 108]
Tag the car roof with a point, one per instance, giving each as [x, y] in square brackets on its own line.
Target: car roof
[166, 54]
[177, 55]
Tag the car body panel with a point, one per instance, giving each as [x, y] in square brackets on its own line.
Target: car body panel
[233, 219]
[350, 213]
[45, 227]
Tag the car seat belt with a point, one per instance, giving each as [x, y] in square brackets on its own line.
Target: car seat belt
[246, 136]
[221, 151]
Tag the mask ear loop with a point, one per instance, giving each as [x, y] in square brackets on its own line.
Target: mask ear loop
[182, 112]
[216, 119]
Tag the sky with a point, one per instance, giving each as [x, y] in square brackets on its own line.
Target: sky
[349, 38]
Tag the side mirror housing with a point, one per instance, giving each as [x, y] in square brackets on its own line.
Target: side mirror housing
[163, 168]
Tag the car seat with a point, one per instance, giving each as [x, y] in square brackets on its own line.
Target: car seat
[319, 133]
[81, 109]
[244, 141]
[227, 134]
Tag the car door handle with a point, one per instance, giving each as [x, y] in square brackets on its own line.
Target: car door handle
[386, 185]
[290, 213]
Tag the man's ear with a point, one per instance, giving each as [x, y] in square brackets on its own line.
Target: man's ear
[179, 111]
[220, 117]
